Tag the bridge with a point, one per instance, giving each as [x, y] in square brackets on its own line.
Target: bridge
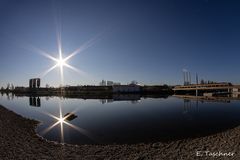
[209, 88]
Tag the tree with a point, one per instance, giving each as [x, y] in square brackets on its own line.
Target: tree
[165, 86]
[8, 86]
[134, 82]
[12, 87]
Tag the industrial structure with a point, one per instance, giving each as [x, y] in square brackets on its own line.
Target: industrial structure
[186, 78]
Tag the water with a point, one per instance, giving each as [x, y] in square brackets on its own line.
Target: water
[128, 121]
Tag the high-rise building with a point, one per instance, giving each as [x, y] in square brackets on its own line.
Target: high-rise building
[34, 83]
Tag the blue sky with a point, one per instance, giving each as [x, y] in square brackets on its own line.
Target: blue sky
[150, 41]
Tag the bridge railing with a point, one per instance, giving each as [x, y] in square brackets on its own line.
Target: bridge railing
[203, 86]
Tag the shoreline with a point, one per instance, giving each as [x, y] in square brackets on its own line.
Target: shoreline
[18, 140]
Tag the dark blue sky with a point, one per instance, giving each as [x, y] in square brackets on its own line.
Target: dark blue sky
[148, 41]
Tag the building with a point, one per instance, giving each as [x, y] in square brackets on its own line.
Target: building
[109, 83]
[126, 88]
[38, 82]
[103, 83]
[236, 90]
[34, 83]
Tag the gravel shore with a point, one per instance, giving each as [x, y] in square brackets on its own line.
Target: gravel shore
[18, 140]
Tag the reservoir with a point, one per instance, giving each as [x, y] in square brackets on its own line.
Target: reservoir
[125, 119]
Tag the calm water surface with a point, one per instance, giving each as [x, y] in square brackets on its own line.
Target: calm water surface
[139, 120]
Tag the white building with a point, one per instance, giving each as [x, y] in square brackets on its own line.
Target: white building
[236, 90]
[103, 83]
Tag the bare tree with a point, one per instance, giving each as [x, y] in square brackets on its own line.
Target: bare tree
[12, 87]
[8, 86]
[134, 82]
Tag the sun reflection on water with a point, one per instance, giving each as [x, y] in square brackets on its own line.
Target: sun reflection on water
[65, 120]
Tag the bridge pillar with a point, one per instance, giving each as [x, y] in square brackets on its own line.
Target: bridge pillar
[229, 90]
[196, 92]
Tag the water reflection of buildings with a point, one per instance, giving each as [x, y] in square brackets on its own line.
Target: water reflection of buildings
[236, 95]
[103, 101]
[190, 107]
[207, 98]
[35, 101]
[191, 103]
[10, 96]
[134, 98]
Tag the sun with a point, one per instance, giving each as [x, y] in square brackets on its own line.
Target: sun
[61, 62]
[61, 120]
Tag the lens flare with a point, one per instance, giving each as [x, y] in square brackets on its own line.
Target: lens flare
[61, 62]
[62, 120]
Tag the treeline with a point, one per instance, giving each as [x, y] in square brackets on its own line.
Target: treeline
[9, 87]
